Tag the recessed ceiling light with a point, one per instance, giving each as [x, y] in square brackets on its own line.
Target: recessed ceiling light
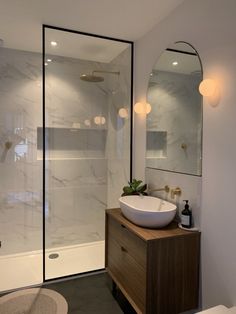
[45, 63]
[174, 63]
[49, 60]
[53, 43]
[151, 74]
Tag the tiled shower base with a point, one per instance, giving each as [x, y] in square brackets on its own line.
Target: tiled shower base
[26, 269]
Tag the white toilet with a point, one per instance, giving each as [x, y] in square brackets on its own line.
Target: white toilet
[220, 309]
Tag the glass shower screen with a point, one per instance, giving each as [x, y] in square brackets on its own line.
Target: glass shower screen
[86, 144]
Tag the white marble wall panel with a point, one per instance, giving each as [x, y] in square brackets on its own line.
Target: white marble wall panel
[118, 177]
[190, 187]
[92, 178]
[72, 173]
[76, 215]
[21, 173]
[76, 166]
[21, 224]
[76, 201]
[176, 110]
[71, 101]
[118, 141]
[78, 178]
[65, 143]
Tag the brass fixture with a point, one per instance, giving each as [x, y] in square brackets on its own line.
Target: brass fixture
[184, 146]
[166, 189]
[175, 192]
[8, 145]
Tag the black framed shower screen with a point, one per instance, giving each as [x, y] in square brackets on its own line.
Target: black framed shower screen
[44, 125]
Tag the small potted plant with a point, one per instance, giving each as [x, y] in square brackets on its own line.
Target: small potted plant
[135, 188]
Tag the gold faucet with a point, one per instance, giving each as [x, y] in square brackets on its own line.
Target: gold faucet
[166, 189]
[175, 192]
[8, 145]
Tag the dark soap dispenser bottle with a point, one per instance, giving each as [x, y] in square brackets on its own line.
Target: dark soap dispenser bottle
[186, 216]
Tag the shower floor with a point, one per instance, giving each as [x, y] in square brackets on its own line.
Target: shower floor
[26, 269]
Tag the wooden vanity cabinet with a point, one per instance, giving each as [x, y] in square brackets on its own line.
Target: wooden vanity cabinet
[156, 269]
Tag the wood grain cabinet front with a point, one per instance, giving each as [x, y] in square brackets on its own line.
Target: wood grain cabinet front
[157, 270]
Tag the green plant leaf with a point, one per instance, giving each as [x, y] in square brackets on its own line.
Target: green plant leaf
[142, 188]
[134, 188]
[135, 183]
[127, 189]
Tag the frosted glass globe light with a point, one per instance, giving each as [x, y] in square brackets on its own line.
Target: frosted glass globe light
[142, 108]
[207, 87]
[123, 113]
[99, 120]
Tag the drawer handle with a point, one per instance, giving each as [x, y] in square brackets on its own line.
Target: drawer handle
[123, 249]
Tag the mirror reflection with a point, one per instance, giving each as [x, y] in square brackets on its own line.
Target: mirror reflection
[174, 125]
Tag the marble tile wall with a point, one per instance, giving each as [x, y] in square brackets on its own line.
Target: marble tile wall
[76, 201]
[176, 110]
[21, 172]
[76, 167]
[84, 175]
[92, 182]
[118, 142]
[190, 187]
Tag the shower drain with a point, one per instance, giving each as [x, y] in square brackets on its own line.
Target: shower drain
[53, 255]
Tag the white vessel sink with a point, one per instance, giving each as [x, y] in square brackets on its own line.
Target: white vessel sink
[147, 211]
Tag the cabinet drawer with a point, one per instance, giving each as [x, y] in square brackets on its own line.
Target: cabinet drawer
[135, 246]
[127, 273]
[157, 270]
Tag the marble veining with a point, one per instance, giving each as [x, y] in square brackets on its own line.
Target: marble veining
[80, 183]
[190, 186]
[176, 110]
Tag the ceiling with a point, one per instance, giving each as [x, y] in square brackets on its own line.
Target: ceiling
[185, 64]
[182, 59]
[75, 45]
[21, 20]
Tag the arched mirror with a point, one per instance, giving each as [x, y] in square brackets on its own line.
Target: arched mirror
[174, 125]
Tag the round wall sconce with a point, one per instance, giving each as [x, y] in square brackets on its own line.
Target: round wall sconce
[210, 89]
[207, 87]
[99, 120]
[123, 113]
[142, 108]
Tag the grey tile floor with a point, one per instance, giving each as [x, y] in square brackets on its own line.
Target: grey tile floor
[88, 295]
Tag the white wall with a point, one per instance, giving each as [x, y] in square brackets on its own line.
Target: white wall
[209, 25]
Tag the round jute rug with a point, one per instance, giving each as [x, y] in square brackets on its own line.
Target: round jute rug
[33, 301]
